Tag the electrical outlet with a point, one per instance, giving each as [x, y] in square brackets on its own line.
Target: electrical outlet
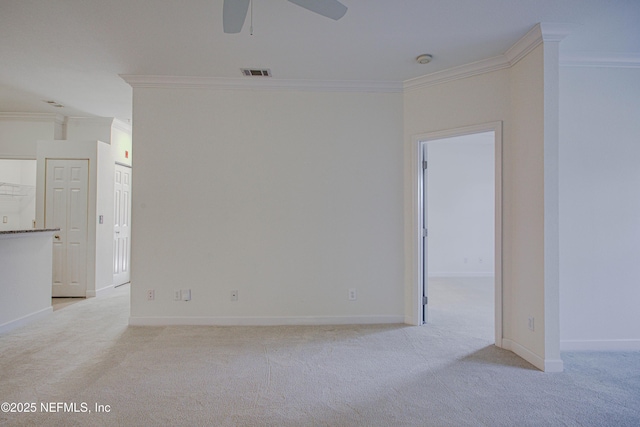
[532, 323]
[151, 295]
[177, 295]
[5, 219]
[353, 295]
[234, 295]
[480, 260]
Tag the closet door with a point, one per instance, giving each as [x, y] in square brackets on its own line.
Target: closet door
[66, 208]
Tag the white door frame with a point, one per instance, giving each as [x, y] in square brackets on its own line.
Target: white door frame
[418, 217]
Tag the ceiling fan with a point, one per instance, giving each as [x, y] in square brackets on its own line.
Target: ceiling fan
[234, 12]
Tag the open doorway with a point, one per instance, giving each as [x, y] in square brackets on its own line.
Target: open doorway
[17, 194]
[459, 227]
[459, 206]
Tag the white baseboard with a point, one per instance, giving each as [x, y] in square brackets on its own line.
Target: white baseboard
[263, 321]
[100, 292]
[24, 320]
[600, 345]
[460, 274]
[546, 365]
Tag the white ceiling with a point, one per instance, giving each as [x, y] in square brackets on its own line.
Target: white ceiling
[73, 51]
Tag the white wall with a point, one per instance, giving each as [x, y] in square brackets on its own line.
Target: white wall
[518, 97]
[115, 146]
[25, 281]
[19, 133]
[600, 208]
[105, 176]
[524, 206]
[289, 197]
[100, 202]
[460, 192]
[114, 132]
[121, 143]
[481, 99]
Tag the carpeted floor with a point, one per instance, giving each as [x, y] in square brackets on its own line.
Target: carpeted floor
[445, 374]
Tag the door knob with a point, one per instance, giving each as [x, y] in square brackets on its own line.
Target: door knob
[57, 236]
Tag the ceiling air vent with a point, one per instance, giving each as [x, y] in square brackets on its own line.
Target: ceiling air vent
[254, 72]
[53, 103]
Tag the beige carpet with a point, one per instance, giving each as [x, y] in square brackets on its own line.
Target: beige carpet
[445, 374]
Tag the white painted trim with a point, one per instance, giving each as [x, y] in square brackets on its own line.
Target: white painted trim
[539, 33]
[460, 274]
[544, 31]
[600, 345]
[34, 117]
[178, 82]
[90, 120]
[524, 353]
[416, 258]
[24, 320]
[264, 321]
[546, 365]
[122, 126]
[16, 157]
[524, 45]
[556, 31]
[111, 122]
[100, 292]
[600, 60]
[457, 73]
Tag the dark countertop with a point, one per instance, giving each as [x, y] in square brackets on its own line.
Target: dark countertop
[32, 230]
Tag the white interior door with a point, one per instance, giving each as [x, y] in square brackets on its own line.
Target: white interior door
[122, 225]
[66, 208]
[425, 236]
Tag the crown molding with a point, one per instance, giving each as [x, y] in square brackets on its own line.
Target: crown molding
[456, 73]
[34, 117]
[524, 45]
[556, 31]
[600, 60]
[262, 83]
[123, 126]
[548, 32]
[112, 122]
[542, 32]
[89, 120]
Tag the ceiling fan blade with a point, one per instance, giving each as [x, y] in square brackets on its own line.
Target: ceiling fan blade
[234, 13]
[330, 8]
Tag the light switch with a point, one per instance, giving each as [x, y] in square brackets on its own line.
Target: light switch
[5, 219]
[101, 219]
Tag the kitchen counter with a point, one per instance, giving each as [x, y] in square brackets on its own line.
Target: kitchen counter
[25, 276]
[32, 230]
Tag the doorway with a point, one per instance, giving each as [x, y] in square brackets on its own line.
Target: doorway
[122, 225]
[17, 194]
[66, 208]
[458, 216]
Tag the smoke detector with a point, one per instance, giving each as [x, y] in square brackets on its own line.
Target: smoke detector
[424, 58]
